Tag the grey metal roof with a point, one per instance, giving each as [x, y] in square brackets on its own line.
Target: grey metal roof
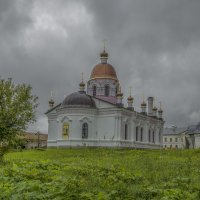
[79, 99]
[174, 131]
[194, 128]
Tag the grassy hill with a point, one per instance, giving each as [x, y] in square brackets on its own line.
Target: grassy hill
[101, 174]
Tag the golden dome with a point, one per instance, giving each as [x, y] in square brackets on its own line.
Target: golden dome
[103, 70]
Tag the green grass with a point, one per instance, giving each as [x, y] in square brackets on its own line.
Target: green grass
[101, 174]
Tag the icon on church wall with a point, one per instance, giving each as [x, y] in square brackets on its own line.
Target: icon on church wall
[65, 130]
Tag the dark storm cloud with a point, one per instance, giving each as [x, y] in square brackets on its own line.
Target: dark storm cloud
[153, 44]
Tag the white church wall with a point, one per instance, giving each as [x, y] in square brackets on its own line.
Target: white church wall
[106, 127]
[75, 121]
[197, 140]
[52, 129]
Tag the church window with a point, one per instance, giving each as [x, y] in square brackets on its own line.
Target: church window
[126, 132]
[170, 139]
[94, 90]
[165, 139]
[85, 131]
[159, 136]
[107, 90]
[176, 139]
[136, 134]
[149, 135]
[65, 130]
[153, 137]
[141, 134]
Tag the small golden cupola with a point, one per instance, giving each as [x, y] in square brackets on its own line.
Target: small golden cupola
[130, 100]
[82, 84]
[155, 111]
[51, 101]
[104, 56]
[160, 112]
[119, 96]
[143, 106]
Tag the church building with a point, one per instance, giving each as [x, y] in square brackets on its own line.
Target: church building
[97, 117]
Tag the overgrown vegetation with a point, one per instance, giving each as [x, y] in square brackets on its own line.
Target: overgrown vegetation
[101, 174]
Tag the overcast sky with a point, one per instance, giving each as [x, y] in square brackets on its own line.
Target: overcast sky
[154, 46]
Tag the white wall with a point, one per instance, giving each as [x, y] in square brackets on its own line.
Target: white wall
[106, 126]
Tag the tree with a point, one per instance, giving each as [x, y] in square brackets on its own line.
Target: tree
[17, 111]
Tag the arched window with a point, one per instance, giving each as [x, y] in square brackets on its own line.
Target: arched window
[107, 90]
[149, 135]
[94, 90]
[136, 130]
[126, 132]
[153, 137]
[65, 130]
[85, 131]
[141, 134]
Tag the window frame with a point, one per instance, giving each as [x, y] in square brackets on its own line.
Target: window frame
[65, 130]
[126, 132]
[85, 130]
[149, 135]
[153, 138]
[94, 90]
[136, 133]
[107, 91]
[141, 134]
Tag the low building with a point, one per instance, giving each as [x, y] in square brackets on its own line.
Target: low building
[174, 138]
[182, 138]
[193, 137]
[33, 140]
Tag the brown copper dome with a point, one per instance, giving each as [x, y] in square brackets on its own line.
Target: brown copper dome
[103, 70]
